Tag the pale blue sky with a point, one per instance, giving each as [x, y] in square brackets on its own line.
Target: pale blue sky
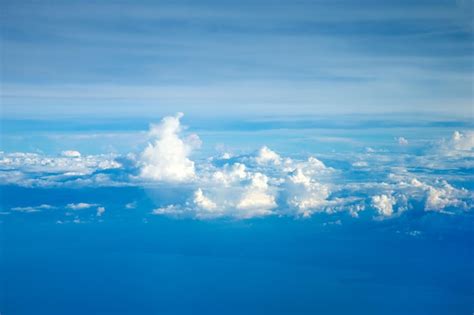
[63, 58]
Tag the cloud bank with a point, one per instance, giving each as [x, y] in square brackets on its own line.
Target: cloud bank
[262, 183]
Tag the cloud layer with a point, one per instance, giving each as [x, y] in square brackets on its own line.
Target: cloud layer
[262, 183]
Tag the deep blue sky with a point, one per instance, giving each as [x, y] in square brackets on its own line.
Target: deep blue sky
[122, 58]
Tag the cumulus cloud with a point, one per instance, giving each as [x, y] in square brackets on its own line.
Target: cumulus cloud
[81, 206]
[439, 195]
[171, 210]
[463, 141]
[304, 194]
[166, 158]
[439, 198]
[71, 153]
[100, 211]
[402, 141]
[230, 174]
[32, 169]
[257, 199]
[263, 182]
[265, 155]
[384, 204]
[459, 144]
[203, 202]
[131, 205]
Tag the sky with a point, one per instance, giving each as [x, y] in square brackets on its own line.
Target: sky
[246, 58]
[236, 157]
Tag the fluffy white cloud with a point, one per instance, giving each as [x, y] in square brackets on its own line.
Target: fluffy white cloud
[247, 191]
[81, 205]
[171, 210]
[463, 141]
[257, 199]
[262, 183]
[265, 155]
[439, 198]
[305, 194]
[203, 202]
[384, 204]
[166, 158]
[33, 162]
[402, 141]
[100, 211]
[131, 205]
[230, 174]
[32, 169]
[461, 144]
[439, 195]
[71, 153]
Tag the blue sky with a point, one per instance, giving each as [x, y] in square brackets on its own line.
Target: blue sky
[235, 58]
[236, 157]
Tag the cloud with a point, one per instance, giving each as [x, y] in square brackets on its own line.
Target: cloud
[33, 169]
[33, 208]
[203, 202]
[171, 210]
[462, 141]
[304, 194]
[402, 141]
[262, 182]
[230, 174]
[360, 164]
[439, 198]
[460, 144]
[131, 205]
[257, 199]
[384, 204]
[166, 158]
[71, 154]
[100, 211]
[265, 155]
[81, 206]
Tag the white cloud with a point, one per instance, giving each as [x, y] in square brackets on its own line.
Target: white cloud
[131, 205]
[81, 205]
[439, 195]
[360, 164]
[402, 141]
[305, 194]
[414, 233]
[203, 202]
[262, 183]
[439, 198]
[460, 144]
[230, 174]
[384, 204]
[33, 208]
[71, 153]
[166, 158]
[171, 210]
[32, 169]
[257, 199]
[265, 156]
[462, 141]
[100, 211]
